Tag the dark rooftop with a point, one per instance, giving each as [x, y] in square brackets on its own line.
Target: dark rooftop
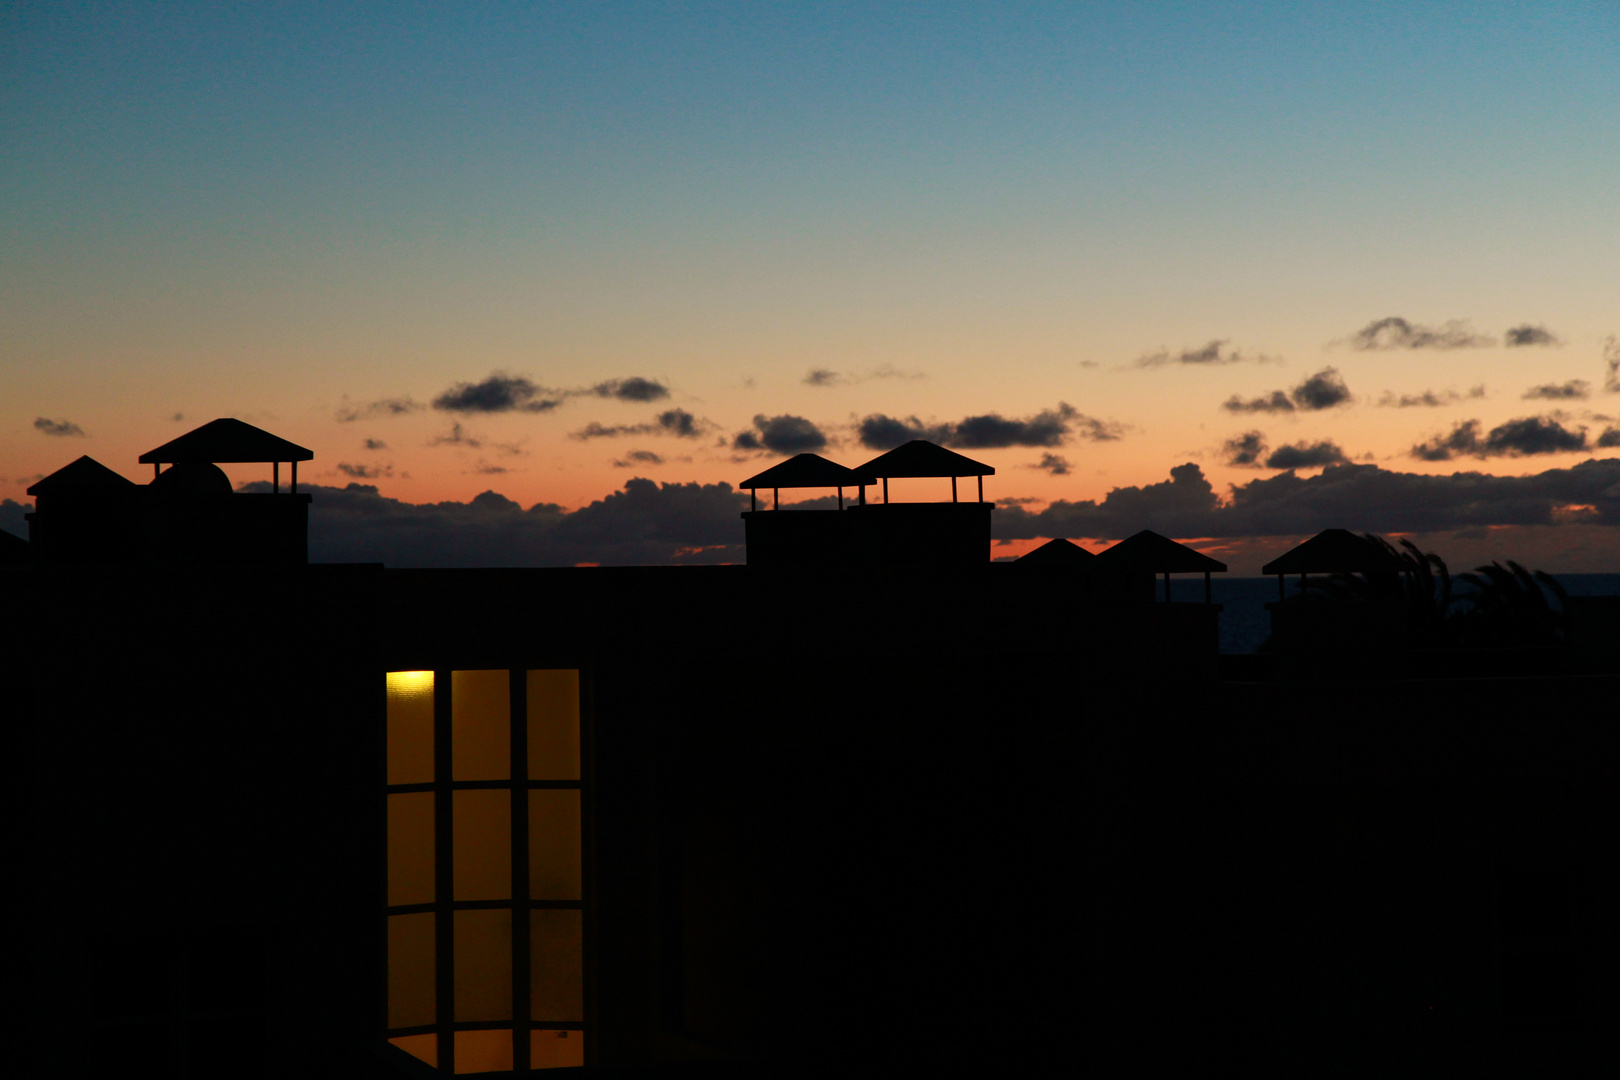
[1335, 551]
[84, 475]
[806, 470]
[1057, 552]
[919, 457]
[226, 440]
[1147, 550]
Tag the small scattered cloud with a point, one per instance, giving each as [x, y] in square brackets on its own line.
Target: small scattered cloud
[638, 457]
[1428, 399]
[178, 417]
[499, 393]
[676, 422]
[1218, 351]
[1526, 334]
[365, 472]
[1397, 333]
[375, 444]
[634, 388]
[1324, 390]
[1573, 390]
[1088, 363]
[828, 377]
[1610, 437]
[1611, 362]
[1302, 455]
[456, 437]
[1522, 437]
[1244, 450]
[781, 435]
[46, 426]
[1056, 464]
[486, 469]
[880, 432]
[988, 431]
[381, 408]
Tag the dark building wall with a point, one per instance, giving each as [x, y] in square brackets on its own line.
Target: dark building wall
[202, 858]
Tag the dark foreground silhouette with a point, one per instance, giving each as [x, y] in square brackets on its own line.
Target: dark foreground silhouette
[901, 814]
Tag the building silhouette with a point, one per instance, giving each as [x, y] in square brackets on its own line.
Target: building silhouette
[870, 804]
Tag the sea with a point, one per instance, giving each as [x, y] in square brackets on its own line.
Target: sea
[1245, 623]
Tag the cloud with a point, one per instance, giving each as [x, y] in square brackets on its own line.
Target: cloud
[12, 519]
[1396, 333]
[645, 523]
[376, 444]
[498, 394]
[1523, 437]
[638, 457]
[827, 377]
[634, 388]
[1302, 455]
[1363, 498]
[1056, 464]
[1324, 390]
[1611, 362]
[1428, 399]
[1211, 354]
[989, 431]
[365, 472]
[1610, 437]
[1525, 334]
[1574, 389]
[47, 426]
[676, 422]
[781, 435]
[1276, 401]
[382, 407]
[1244, 449]
[456, 437]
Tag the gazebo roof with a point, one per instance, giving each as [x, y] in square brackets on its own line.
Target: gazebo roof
[1335, 551]
[226, 440]
[1057, 553]
[1147, 550]
[919, 457]
[806, 470]
[84, 475]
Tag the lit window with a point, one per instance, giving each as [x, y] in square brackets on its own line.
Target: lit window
[486, 873]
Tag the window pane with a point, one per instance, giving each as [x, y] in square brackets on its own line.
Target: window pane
[554, 725]
[556, 1049]
[410, 727]
[480, 725]
[554, 844]
[410, 848]
[556, 965]
[483, 1051]
[410, 970]
[483, 943]
[482, 856]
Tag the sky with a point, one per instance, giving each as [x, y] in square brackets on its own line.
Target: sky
[1355, 263]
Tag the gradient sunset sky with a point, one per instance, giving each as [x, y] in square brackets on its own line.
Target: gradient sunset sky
[542, 249]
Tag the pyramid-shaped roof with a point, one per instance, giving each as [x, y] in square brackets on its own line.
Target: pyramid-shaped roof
[1335, 551]
[226, 440]
[84, 475]
[1147, 550]
[1058, 553]
[919, 457]
[806, 470]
